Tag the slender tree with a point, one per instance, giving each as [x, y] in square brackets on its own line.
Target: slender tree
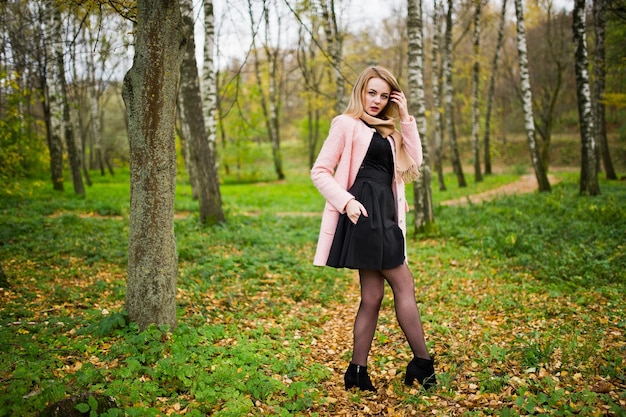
[540, 173]
[202, 157]
[215, 212]
[438, 122]
[478, 175]
[334, 38]
[268, 97]
[50, 96]
[422, 193]
[150, 90]
[589, 164]
[492, 89]
[599, 84]
[68, 131]
[449, 99]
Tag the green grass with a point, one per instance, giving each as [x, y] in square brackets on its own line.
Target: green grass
[522, 299]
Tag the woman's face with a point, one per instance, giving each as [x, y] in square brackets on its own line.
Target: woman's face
[377, 94]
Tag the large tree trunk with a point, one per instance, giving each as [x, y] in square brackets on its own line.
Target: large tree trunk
[209, 99]
[527, 99]
[436, 81]
[449, 99]
[68, 131]
[492, 89]
[422, 194]
[589, 163]
[150, 91]
[202, 157]
[478, 175]
[599, 86]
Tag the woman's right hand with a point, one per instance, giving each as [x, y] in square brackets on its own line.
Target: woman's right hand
[354, 209]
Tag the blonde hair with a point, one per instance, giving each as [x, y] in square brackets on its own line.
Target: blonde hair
[355, 105]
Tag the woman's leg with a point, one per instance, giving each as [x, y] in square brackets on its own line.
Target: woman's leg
[401, 281]
[372, 291]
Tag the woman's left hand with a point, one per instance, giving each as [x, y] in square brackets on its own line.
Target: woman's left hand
[403, 109]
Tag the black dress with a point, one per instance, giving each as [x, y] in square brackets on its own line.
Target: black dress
[374, 242]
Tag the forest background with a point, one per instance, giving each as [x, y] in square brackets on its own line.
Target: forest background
[243, 307]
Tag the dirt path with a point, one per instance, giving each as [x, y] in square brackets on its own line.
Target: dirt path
[526, 184]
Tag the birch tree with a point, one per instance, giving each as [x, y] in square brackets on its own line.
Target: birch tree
[599, 84]
[438, 126]
[215, 212]
[149, 91]
[449, 99]
[202, 157]
[540, 173]
[422, 194]
[478, 176]
[589, 164]
[492, 89]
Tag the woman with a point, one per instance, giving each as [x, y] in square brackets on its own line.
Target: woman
[361, 170]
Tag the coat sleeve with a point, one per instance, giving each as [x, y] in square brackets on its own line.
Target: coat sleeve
[411, 140]
[322, 174]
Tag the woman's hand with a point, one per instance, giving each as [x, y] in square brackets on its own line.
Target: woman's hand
[354, 209]
[403, 108]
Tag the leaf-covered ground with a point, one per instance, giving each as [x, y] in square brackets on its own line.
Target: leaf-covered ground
[521, 298]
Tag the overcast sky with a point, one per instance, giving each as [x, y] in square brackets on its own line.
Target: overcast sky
[232, 21]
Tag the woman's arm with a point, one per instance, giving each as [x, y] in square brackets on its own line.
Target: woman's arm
[322, 173]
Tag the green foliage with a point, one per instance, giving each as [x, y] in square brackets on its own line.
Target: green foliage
[554, 237]
[22, 146]
[251, 305]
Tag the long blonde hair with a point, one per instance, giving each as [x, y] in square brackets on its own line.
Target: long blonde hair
[355, 105]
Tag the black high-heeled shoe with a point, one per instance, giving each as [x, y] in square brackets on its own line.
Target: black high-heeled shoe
[423, 370]
[356, 376]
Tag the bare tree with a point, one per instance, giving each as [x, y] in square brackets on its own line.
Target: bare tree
[270, 97]
[478, 176]
[449, 98]
[202, 157]
[589, 164]
[49, 95]
[599, 83]
[312, 74]
[150, 91]
[438, 126]
[215, 212]
[422, 194]
[492, 88]
[68, 131]
[334, 37]
[527, 100]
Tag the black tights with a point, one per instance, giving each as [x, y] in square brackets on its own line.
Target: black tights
[372, 291]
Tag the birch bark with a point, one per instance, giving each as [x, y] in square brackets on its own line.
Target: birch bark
[202, 156]
[422, 194]
[589, 163]
[540, 173]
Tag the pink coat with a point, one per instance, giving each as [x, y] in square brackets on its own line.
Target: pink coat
[336, 167]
